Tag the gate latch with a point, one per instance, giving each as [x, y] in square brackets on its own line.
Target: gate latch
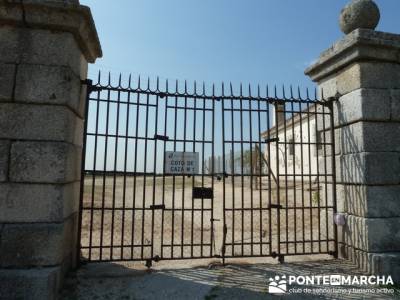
[276, 206]
[154, 207]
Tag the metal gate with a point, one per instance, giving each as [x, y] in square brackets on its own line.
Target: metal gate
[260, 180]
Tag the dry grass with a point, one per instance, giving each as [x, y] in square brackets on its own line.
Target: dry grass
[255, 230]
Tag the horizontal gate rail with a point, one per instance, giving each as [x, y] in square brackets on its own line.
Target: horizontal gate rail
[248, 175]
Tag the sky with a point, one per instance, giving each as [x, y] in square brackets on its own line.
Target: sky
[249, 41]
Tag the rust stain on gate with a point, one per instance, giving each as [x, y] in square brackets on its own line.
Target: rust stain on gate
[265, 184]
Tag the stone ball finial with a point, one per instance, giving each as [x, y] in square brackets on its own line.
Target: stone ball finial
[359, 14]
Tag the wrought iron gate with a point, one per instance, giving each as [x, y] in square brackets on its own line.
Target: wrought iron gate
[263, 183]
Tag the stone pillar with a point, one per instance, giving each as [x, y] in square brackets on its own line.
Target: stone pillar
[363, 71]
[45, 47]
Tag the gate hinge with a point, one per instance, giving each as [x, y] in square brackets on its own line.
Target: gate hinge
[90, 87]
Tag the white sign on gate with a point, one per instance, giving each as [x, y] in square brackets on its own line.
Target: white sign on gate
[181, 163]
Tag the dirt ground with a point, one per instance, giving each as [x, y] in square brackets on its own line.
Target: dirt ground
[121, 225]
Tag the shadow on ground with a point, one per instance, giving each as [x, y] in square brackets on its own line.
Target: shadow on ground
[236, 280]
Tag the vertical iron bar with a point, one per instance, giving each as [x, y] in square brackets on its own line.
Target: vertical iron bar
[309, 174]
[183, 176]
[213, 172]
[173, 176]
[294, 172]
[194, 176]
[302, 172]
[105, 169]
[163, 175]
[251, 174]
[277, 176]
[233, 174]
[115, 171]
[267, 104]
[318, 183]
[241, 166]
[223, 250]
[146, 122]
[154, 170]
[260, 176]
[135, 171]
[125, 169]
[326, 179]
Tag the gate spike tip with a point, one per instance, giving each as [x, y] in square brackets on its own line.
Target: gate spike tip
[204, 88]
[241, 89]
[322, 94]
[185, 86]
[275, 91]
[195, 87]
[158, 83]
[291, 92]
[109, 78]
[223, 88]
[148, 82]
[231, 88]
[258, 90]
[307, 94]
[176, 86]
[139, 82]
[267, 91]
[119, 79]
[249, 90]
[213, 89]
[166, 85]
[283, 91]
[129, 81]
[298, 92]
[99, 76]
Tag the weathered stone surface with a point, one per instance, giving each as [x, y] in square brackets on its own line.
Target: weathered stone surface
[7, 79]
[40, 122]
[4, 157]
[369, 201]
[369, 137]
[37, 244]
[34, 203]
[363, 105]
[44, 162]
[387, 263]
[359, 14]
[35, 283]
[48, 85]
[371, 234]
[373, 168]
[359, 45]
[55, 16]
[395, 105]
[362, 75]
[40, 47]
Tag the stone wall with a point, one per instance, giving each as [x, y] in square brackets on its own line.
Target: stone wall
[45, 47]
[363, 71]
